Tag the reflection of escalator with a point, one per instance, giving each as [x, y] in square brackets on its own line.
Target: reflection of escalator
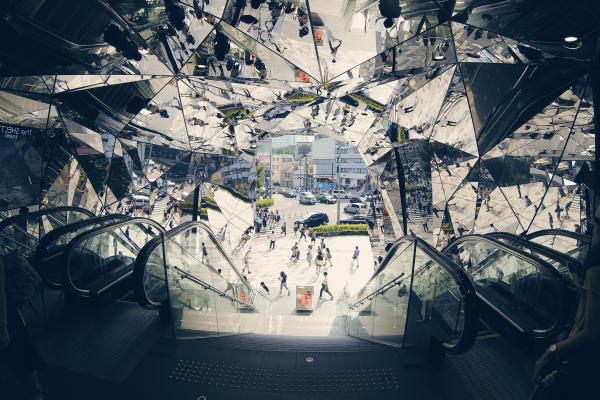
[23, 232]
[49, 257]
[521, 294]
[573, 244]
[101, 260]
[571, 268]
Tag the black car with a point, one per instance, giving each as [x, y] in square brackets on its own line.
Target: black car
[312, 220]
[357, 219]
[326, 198]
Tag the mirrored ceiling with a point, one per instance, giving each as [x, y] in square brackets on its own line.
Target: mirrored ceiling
[486, 104]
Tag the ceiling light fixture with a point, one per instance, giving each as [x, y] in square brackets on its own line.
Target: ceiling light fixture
[571, 42]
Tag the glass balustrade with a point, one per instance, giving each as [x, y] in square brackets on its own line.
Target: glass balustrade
[525, 291]
[416, 294]
[49, 256]
[102, 258]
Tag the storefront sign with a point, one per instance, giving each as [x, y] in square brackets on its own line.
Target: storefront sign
[15, 132]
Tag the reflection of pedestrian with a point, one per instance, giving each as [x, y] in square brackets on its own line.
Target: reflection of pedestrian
[309, 256]
[551, 221]
[325, 286]
[296, 227]
[567, 207]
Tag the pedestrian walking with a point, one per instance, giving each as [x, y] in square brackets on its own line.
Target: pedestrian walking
[558, 210]
[247, 260]
[294, 249]
[325, 287]
[328, 256]
[302, 233]
[296, 227]
[309, 256]
[322, 246]
[313, 238]
[272, 240]
[319, 262]
[283, 282]
[264, 286]
[204, 254]
[567, 208]
[355, 256]
[284, 228]
[551, 221]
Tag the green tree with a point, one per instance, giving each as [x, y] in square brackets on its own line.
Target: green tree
[260, 176]
[303, 150]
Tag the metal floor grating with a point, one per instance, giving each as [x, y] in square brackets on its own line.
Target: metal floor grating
[284, 380]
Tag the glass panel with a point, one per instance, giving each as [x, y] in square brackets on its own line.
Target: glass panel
[107, 258]
[524, 292]
[378, 310]
[436, 304]
[49, 258]
[206, 291]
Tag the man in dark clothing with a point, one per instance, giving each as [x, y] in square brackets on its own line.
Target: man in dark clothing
[389, 9]
[283, 282]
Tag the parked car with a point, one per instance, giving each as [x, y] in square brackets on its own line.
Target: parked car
[307, 198]
[355, 208]
[326, 198]
[355, 219]
[290, 194]
[312, 220]
[339, 193]
[360, 200]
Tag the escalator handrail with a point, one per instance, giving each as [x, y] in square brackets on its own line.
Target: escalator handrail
[95, 232]
[559, 232]
[41, 256]
[141, 260]
[15, 218]
[467, 290]
[198, 281]
[572, 263]
[563, 284]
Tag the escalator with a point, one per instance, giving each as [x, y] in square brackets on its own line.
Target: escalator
[99, 262]
[417, 293]
[207, 295]
[49, 257]
[23, 232]
[522, 296]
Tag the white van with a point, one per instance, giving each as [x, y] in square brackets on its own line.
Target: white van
[141, 200]
[356, 208]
